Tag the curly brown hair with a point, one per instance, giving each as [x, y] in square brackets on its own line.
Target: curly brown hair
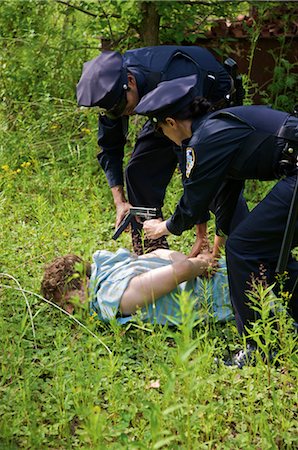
[62, 275]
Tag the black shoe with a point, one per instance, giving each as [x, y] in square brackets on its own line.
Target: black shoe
[243, 358]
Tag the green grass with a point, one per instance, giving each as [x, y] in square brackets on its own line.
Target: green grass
[154, 387]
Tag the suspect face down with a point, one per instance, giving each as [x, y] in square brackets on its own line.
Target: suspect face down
[107, 84]
[66, 278]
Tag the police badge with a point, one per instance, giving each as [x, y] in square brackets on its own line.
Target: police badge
[190, 160]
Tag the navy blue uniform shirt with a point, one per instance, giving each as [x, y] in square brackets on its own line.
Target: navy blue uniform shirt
[230, 145]
[150, 65]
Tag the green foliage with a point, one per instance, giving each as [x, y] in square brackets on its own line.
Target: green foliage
[283, 89]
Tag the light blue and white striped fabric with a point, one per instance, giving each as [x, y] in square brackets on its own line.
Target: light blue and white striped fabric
[111, 273]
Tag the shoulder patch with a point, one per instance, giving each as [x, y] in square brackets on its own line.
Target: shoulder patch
[190, 160]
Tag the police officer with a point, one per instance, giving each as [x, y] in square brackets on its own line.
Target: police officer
[234, 144]
[116, 84]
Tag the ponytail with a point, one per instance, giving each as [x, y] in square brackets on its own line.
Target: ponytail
[198, 107]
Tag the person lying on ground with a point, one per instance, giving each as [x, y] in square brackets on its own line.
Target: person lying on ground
[120, 285]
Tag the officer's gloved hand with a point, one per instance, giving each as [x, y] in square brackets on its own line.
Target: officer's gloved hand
[202, 244]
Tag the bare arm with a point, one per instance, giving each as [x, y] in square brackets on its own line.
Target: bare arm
[219, 242]
[147, 287]
[201, 244]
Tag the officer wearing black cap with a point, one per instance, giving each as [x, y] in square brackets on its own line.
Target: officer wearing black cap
[116, 83]
[234, 144]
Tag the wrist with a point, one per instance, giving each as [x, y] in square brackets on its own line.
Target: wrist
[118, 195]
[165, 229]
[201, 230]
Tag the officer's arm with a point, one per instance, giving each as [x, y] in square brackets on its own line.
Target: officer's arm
[225, 203]
[223, 207]
[202, 242]
[196, 198]
[199, 190]
[214, 155]
[111, 139]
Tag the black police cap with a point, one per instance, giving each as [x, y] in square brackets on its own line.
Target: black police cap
[168, 98]
[103, 81]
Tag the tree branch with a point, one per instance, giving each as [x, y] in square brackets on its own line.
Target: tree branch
[199, 2]
[77, 8]
[117, 16]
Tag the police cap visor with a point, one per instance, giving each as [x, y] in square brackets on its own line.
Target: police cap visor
[168, 98]
[118, 109]
[102, 81]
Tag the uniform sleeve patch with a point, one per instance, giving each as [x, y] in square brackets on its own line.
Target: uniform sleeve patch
[190, 160]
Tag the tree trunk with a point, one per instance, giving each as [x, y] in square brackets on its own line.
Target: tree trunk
[149, 29]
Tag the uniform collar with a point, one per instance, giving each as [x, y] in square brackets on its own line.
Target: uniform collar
[196, 123]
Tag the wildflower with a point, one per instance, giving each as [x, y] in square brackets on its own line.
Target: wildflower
[286, 295]
[86, 130]
[18, 171]
[92, 316]
[5, 167]
[26, 164]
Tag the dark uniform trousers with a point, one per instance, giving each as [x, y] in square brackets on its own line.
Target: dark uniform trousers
[254, 246]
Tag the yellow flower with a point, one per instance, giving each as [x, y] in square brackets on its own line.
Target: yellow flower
[86, 130]
[18, 171]
[94, 314]
[26, 164]
[5, 167]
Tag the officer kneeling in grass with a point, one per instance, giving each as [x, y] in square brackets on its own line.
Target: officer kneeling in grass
[234, 144]
[116, 83]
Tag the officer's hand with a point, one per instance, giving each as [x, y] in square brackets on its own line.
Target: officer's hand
[202, 244]
[155, 228]
[121, 210]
